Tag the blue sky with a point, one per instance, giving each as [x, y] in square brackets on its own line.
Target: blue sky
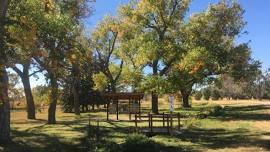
[257, 15]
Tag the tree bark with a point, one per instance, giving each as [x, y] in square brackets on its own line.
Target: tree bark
[31, 112]
[3, 10]
[53, 100]
[112, 86]
[154, 94]
[4, 102]
[154, 103]
[4, 107]
[75, 89]
[185, 99]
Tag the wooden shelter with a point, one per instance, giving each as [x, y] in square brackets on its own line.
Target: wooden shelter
[116, 98]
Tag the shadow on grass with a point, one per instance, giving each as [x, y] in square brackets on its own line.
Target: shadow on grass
[24, 141]
[252, 112]
[34, 140]
[106, 143]
[220, 138]
[248, 108]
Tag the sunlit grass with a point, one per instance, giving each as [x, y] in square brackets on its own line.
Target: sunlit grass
[244, 125]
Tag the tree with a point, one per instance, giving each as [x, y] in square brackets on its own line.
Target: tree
[104, 43]
[215, 94]
[232, 89]
[152, 26]
[55, 30]
[206, 93]
[23, 42]
[25, 75]
[198, 95]
[208, 39]
[14, 92]
[267, 83]
[76, 10]
[4, 102]
[77, 82]
[261, 85]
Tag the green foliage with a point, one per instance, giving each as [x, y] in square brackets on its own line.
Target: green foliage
[149, 35]
[207, 44]
[217, 111]
[14, 92]
[198, 95]
[41, 95]
[138, 142]
[100, 81]
[206, 93]
[154, 83]
[215, 94]
[105, 44]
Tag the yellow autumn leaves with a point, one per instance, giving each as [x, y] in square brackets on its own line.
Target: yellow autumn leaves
[193, 61]
[24, 34]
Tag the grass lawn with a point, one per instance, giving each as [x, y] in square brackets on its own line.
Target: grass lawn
[242, 126]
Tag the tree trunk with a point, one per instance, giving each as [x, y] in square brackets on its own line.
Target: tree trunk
[185, 99]
[113, 86]
[53, 100]
[31, 113]
[154, 103]
[4, 102]
[24, 75]
[93, 106]
[76, 101]
[75, 88]
[3, 10]
[154, 94]
[4, 107]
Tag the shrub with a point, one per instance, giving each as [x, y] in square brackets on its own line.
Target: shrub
[198, 95]
[206, 94]
[215, 94]
[217, 111]
[138, 142]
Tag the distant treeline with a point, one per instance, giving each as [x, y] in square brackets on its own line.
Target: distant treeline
[227, 87]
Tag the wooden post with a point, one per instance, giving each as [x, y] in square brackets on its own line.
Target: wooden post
[129, 109]
[117, 109]
[168, 125]
[151, 117]
[98, 130]
[136, 125]
[108, 105]
[149, 121]
[178, 118]
[140, 109]
[163, 119]
[171, 119]
[89, 120]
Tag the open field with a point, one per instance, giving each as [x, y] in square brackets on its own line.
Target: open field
[243, 126]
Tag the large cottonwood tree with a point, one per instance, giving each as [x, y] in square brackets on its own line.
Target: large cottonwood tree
[23, 40]
[105, 43]
[209, 41]
[155, 24]
[55, 28]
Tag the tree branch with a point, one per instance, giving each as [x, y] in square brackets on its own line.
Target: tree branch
[35, 72]
[18, 71]
[120, 71]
